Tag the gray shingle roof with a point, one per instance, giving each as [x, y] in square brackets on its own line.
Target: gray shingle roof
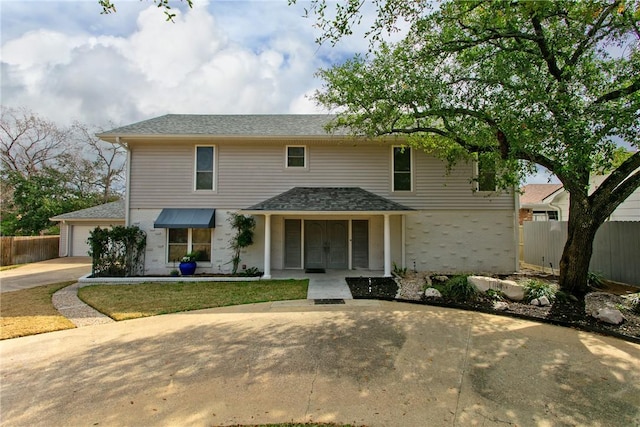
[113, 210]
[227, 125]
[328, 199]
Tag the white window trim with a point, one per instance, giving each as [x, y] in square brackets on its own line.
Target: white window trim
[214, 172]
[189, 247]
[476, 177]
[411, 172]
[306, 157]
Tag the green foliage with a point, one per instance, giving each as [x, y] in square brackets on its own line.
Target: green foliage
[117, 252]
[251, 272]
[595, 279]
[191, 256]
[552, 83]
[459, 289]
[244, 225]
[109, 7]
[535, 289]
[38, 197]
[399, 271]
[495, 295]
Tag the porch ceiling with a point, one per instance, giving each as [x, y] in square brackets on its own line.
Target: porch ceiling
[328, 200]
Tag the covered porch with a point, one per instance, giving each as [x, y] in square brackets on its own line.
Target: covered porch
[319, 229]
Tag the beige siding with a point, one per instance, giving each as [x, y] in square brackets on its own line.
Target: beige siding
[248, 173]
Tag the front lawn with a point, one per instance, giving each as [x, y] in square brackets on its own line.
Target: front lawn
[121, 302]
[30, 312]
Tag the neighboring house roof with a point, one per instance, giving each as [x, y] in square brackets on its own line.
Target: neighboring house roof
[226, 125]
[328, 199]
[535, 194]
[113, 210]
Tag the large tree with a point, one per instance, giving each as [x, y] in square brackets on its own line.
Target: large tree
[48, 170]
[552, 83]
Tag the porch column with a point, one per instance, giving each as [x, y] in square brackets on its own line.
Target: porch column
[267, 247]
[387, 246]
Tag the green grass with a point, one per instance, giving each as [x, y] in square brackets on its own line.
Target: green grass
[122, 302]
[30, 312]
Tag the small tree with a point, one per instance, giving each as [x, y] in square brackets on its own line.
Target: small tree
[244, 226]
[117, 252]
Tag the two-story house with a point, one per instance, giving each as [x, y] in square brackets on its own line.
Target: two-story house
[321, 201]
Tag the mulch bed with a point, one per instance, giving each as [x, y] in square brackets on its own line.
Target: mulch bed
[567, 313]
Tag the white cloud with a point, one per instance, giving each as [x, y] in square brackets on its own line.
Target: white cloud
[218, 58]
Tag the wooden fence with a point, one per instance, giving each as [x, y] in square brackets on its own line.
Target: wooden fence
[616, 248]
[22, 250]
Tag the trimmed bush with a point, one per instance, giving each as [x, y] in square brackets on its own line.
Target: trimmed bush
[459, 289]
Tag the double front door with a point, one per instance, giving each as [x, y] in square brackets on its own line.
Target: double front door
[326, 244]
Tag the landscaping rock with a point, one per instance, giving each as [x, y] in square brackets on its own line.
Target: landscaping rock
[544, 301]
[609, 315]
[440, 279]
[500, 305]
[509, 288]
[432, 293]
[535, 302]
[595, 301]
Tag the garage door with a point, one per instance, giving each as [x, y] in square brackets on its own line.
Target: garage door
[79, 236]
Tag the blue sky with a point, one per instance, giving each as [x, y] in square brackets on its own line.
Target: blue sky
[66, 61]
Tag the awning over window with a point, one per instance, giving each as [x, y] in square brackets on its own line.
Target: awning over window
[186, 218]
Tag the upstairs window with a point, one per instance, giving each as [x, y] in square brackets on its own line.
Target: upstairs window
[401, 169]
[296, 156]
[205, 162]
[486, 172]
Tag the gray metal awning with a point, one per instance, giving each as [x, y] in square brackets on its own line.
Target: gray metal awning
[186, 218]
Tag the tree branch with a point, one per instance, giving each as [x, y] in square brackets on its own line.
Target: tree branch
[541, 41]
[618, 93]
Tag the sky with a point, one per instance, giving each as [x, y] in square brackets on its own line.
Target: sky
[67, 62]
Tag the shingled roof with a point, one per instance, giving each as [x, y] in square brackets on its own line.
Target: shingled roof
[328, 199]
[226, 125]
[536, 193]
[113, 210]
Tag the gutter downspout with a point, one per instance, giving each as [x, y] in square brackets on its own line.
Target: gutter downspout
[127, 187]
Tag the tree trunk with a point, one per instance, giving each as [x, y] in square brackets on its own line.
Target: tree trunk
[576, 256]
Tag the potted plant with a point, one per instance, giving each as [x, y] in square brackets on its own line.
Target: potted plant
[188, 263]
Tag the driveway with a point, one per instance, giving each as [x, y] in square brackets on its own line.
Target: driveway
[44, 272]
[372, 363]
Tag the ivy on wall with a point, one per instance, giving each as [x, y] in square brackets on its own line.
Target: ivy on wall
[117, 252]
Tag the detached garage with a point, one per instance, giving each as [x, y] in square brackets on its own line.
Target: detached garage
[76, 226]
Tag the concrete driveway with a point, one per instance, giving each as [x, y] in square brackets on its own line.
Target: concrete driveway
[44, 272]
[366, 362]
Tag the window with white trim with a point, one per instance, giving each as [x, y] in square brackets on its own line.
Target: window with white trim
[296, 156]
[486, 172]
[181, 241]
[205, 167]
[402, 176]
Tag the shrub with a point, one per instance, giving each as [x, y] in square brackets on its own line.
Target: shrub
[459, 289]
[536, 289]
[495, 295]
[398, 271]
[595, 279]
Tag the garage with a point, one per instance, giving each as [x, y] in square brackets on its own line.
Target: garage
[76, 226]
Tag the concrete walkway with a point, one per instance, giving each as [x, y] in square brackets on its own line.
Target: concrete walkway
[44, 272]
[329, 285]
[371, 363]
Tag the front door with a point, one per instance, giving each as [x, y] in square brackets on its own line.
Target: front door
[326, 244]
